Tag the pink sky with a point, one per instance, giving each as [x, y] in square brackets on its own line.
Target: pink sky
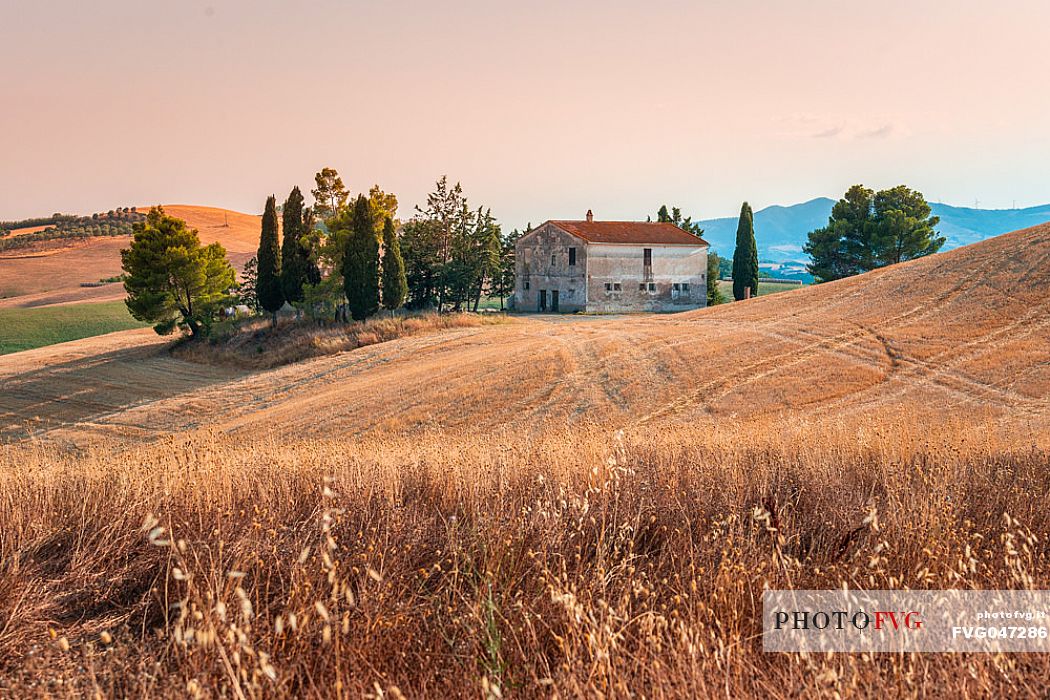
[541, 109]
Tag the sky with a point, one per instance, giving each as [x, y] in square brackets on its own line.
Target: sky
[541, 110]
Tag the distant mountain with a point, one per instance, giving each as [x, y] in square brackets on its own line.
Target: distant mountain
[963, 225]
[781, 231]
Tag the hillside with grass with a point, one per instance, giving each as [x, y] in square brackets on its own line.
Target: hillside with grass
[28, 328]
[65, 260]
[963, 329]
[583, 506]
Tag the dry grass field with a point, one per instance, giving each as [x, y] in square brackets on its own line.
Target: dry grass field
[238, 233]
[39, 277]
[570, 507]
[965, 334]
[54, 273]
[27, 229]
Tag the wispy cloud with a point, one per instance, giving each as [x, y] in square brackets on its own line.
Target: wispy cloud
[838, 127]
[881, 132]
[828, 133]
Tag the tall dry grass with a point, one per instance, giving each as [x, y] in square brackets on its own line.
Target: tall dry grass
[577, 564]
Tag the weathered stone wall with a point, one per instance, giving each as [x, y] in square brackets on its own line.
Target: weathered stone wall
[678, 273]
[542, 266]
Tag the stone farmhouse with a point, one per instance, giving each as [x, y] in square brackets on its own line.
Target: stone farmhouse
[609, 267]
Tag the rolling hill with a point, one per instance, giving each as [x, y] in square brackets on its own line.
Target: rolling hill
[965, 335]
[57, 274]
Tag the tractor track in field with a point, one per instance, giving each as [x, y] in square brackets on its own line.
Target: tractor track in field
[935, 333]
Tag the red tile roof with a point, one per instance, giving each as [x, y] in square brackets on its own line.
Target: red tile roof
[629, 232]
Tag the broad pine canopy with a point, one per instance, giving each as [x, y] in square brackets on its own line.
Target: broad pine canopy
[171, 279]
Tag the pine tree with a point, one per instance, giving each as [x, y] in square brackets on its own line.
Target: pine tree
[447, 208]
[674, 216]
[330, 194]
[904, 225]
[268, 280]
[171, 279]
[420, 251]
[491, 255]
[507, 265]
[294, 260]
[868, 230]
[395, 284]
[745, 257]
[246, 294]
[361, 263]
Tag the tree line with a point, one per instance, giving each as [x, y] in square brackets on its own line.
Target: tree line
[115, 222]
[345, 258]
[349, 257]
[340, 258]
[59, 218]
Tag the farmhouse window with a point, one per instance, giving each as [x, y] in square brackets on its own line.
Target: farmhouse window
[641, 286]
[608, 286]
[685, 286]
[554, 258]
[652, 286]
[616, 286]
[572, 257]
[676, 287]
[526, 285]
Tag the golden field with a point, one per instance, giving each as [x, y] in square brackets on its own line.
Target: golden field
[570, 507]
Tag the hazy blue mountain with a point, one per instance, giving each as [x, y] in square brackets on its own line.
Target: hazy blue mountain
[781, 231]
[963, 225]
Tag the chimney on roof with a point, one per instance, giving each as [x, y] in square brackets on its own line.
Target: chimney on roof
[590, 216]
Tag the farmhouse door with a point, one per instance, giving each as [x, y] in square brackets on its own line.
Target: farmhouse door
[554, 301]
[543, 300]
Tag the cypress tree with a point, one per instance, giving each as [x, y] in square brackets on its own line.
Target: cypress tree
[745, 257]
[361, 263]
[293, 254]
[268, 279]
[313, 271]
[395, 284]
